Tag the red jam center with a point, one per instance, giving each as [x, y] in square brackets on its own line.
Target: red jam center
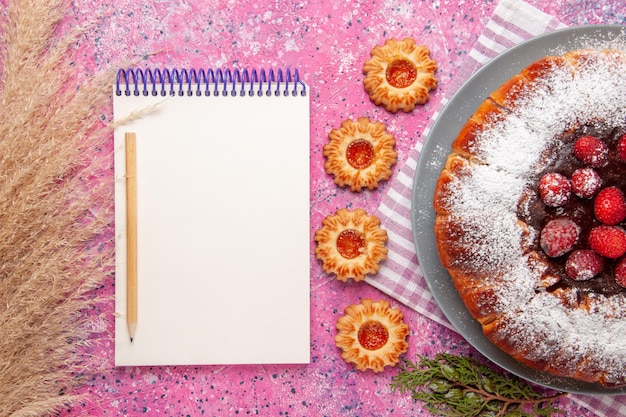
[350, 244]
[360, 153]
[401, 73]
[373, 335]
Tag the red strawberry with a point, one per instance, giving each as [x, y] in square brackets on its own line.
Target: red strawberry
[608, 241]
[619, 272]
[585, 182]
[610, 206]
[621, 148]
[554, 189]
[559, 236]
[583, 264]
[592, 151]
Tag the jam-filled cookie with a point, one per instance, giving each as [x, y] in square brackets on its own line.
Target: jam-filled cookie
[372, 335]
[360, 154]
[399, 75]
[351, 244]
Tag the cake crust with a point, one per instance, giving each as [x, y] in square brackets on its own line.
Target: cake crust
[489, 218]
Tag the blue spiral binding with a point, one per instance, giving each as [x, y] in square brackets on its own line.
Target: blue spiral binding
[209, 82]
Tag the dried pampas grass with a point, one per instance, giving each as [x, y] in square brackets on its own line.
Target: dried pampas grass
[56, 196]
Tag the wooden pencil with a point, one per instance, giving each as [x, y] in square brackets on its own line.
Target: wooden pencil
[131, 233]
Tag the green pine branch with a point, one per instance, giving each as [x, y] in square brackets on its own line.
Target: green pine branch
[458, 386]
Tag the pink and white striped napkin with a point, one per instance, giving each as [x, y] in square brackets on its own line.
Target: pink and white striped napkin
[400, 276]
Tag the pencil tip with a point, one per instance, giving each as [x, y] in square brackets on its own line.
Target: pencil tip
[131, 330]
[131, 340]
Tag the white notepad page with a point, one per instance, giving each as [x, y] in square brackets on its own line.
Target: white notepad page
[223, 230]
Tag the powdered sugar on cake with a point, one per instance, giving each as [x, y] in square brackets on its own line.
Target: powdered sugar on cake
[508, 156]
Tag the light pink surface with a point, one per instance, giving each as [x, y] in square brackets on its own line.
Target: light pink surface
[328, 41]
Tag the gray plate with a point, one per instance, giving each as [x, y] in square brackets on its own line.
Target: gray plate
[432, 159]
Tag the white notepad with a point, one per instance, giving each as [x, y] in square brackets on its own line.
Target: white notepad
[222, 217]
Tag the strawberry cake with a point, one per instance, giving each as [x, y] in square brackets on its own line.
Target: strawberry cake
[531, 216]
